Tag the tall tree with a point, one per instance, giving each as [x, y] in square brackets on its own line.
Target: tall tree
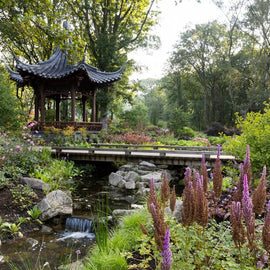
[103, 30]
[199, 51]
[111, 29]
[257, 26]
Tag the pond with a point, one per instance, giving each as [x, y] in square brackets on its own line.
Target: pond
[77, 234]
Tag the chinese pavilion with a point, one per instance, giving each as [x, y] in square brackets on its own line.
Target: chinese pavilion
[57, 80]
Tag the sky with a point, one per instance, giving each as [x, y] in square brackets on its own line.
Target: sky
[173, 20]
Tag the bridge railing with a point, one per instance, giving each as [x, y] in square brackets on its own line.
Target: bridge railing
[155, 147]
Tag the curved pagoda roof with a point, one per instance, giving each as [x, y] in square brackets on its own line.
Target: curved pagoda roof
[57, 67]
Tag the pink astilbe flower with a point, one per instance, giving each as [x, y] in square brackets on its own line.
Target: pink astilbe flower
[266, 230]
[248, 214]
[165, 189]
[188, 211]
[238, 231]
[187, 175]
[238, 195]
[160, 226]
[246, 201]
[217, 175]
[247, 166]
[204, 173]
[166, 253]
[259, 194]
[152, 197]
[194, 180]
[201, 204]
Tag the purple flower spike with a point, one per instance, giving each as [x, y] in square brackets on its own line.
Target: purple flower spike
[264, 171]
[247, 159]
[218, 151]
[203, 157]
[153, 208]
[166, 253]
[246, 201]
[187, 175]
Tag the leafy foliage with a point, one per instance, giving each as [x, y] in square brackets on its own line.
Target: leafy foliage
[255, 132]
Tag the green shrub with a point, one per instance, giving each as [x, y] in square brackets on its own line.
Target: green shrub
[255, 132]
[185, 133]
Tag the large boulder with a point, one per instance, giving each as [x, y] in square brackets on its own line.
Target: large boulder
[55, 203]
[114, 179]
[147, 166]
[132, 176]
[156, 176]
[35, 183]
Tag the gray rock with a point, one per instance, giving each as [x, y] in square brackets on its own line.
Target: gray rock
[121, 173]
[147, 166]
[35, 183]
[127, 167]
[143, 191]
[157, 176]
[46, 229]
[136, 206]
[177, 211]
[142, 172]
[55, 203]
[130, 185]
[140, 184]
[114, 179]
[31, 241]
[131, 176]
[122, 183]
[122, 212]
[1, 259]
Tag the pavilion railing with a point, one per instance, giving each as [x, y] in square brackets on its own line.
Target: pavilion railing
[89, 126]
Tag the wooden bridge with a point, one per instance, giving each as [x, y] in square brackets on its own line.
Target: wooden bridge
[159, 154]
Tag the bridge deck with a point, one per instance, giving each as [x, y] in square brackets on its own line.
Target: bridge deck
[128, 154]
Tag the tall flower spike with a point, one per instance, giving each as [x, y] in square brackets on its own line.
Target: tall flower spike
[247, 166]
[165, 189]
[259, 194]
[203, 172]
[160, 226]
[152, 197]
[187, 175]
[217, 176]
[238, 195]
[166, 253]
[194, 180]
[201, 203]
[218, 151]
[248, 214]
[238, 231]
[188, 211]
[266, 230]
[246, 201]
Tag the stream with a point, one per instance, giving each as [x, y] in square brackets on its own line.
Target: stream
[72, 240]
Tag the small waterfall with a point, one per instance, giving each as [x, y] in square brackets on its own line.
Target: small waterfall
[79, 225]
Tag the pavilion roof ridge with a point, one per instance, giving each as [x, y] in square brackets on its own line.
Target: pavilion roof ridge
[57, 67]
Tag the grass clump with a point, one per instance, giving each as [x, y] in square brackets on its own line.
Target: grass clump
[123, 239]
